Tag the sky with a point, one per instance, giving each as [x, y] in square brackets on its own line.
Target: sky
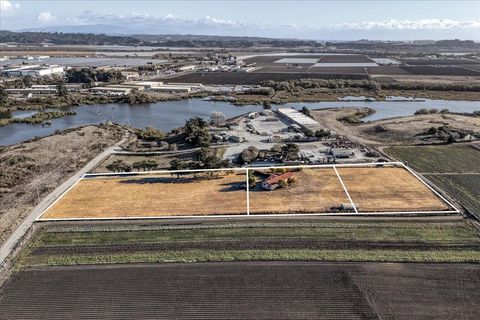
[317, 20]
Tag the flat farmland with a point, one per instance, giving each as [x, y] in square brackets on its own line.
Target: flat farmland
[256, 77]
[347, 58]
[439, 159]
[438, 62]
[282, 69]
[266, 60]
[387, 70]
[455, 169]
[315, 191]
[338, 70]
[474, 67]
[152, 195]
[440, 71]
[389, 189]
[187, 291]
[464, 187]
[251, 290]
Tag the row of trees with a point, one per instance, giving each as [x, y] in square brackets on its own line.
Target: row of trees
[3, 97]
[433, 110]
[292, 85]
[120, 166]
[67, 38]
[370, 85]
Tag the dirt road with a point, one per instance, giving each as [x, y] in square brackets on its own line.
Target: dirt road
[27, 223]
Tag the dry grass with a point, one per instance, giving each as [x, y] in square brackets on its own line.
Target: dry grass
[29, 171]
[388, 189]
[152, 196]
[316, 191]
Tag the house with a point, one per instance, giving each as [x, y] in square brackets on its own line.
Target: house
[273, 182]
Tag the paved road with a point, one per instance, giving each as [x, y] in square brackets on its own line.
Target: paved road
[8, 246]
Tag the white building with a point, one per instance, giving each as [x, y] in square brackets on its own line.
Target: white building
[187, 68]
[171, 89]
[33, 70]
[299, 118]
[110, 91]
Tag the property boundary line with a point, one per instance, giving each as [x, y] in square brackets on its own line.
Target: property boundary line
[242, 169]
[60, 197]
[248, 192]
[246, 170]
[429, 187]
[283, 215]
[345, 189]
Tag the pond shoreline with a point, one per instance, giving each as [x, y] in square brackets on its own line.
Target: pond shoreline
[167, 115]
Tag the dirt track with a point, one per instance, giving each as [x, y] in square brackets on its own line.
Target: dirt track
[29, 171]
[260, 290]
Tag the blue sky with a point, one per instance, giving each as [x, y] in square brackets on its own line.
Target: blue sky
[299, 19]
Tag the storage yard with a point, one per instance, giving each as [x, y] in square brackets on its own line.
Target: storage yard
[311, 190]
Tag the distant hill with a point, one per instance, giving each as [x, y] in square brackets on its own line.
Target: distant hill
[67, 38]
[92, 28]
[35, 37]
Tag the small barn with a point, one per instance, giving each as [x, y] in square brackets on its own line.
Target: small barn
[273, 181]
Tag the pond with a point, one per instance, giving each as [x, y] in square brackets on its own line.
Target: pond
[172, 114]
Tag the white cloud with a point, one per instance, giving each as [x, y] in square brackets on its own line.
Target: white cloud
[147, 19]
[423, 24]
[137, 22]
[171, 21]
[8, 6]
[46, 17]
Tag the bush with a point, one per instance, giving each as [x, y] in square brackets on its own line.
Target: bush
[432, 131]
[421, 111]
[249, 154]
[150, 133]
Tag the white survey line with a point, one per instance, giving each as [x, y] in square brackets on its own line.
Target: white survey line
[303, 215]
[248, 193]
[334, 166]
[345, 189]
[429, 187]
[134, 173]
[60, 197]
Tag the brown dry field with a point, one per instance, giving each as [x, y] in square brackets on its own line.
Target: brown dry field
[151, 196]
[316, 191]
[388, 189]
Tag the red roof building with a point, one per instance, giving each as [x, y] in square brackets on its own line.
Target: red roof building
[272, 182]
